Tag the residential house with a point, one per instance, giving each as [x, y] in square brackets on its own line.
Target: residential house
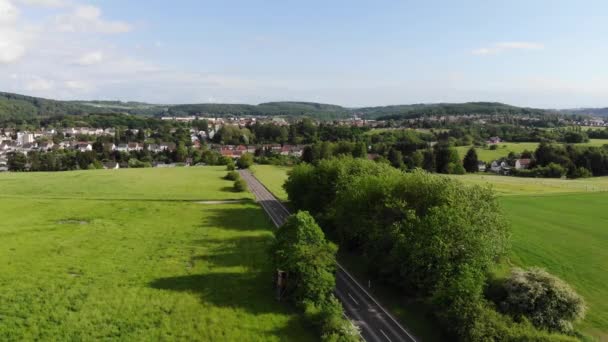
[481, 166]
[135, 147]
[46, 146]
[83, 146]
[122, 148]
[494, 140]
[522, 164]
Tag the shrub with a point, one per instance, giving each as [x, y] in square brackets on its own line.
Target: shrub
[135, 163]
[581, 172]
[240, 185]
[230, 165]
[547, 301]
[245, 161]
[232, 175]
[456, 169]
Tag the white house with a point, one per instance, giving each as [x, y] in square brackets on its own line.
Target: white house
[83, 146]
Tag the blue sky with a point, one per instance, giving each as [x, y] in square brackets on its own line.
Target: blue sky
[548, 54]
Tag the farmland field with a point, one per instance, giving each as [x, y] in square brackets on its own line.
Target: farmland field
[503, 149]
[560, 225]
[134, 257]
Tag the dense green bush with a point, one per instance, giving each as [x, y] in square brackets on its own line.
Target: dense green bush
[547, 301]
[230, 165]
[552, 170]
[245, 161]
[232, 175]
[240, 185]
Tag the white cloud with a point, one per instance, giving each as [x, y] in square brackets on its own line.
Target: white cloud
[90, 58]
[8, 12]
[89, 19]
[505, 46]
[78, 85]
[39, 84]
[45, 3]
[12, 47]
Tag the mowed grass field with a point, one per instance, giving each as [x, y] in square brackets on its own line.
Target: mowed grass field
[561, 225]
[503, 149]
[568, 235]
[182, 183]
[139, 261]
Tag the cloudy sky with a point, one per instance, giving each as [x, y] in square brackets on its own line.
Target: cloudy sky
[551, 54]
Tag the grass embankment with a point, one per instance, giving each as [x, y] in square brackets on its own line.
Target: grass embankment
[75, 269]
[273, 177]
[557, 224]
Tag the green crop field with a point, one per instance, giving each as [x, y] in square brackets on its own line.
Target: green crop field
[130, 255]
[503, 149]
[273, 177]
[557, 224]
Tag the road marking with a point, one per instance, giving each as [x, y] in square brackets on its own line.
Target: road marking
[382, 331]
[354, 300]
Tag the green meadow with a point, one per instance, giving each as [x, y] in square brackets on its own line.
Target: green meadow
[503, 149]
[561, 225]
[131, 255]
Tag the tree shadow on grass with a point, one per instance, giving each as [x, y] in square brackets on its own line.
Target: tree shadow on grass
[245, 217]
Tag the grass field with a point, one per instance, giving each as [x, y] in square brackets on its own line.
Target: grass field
[568, 235]
[535, 186]
[503, 150]
[184, 183]
[121, 268]
[561, 225]
[273, 177]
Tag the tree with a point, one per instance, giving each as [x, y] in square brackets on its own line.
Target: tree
[245, 161]
[230, 165]
[444, 155]
[16, 161]
[547, 301]
[181, 153]
[470, 162]
[395, 157]
[301, 250]
[308, 155]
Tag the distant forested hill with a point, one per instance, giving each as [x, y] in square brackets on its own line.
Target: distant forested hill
[293, 109]
[421, 110]
[14, 106]
[587, 111]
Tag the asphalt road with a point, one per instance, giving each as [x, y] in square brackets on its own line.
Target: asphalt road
[374, 322]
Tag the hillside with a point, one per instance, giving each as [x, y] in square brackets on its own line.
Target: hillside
[420, 110]
[14, 106]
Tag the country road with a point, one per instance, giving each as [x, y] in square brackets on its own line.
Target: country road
[374, 322]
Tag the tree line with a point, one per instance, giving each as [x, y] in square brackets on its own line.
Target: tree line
[434, 239]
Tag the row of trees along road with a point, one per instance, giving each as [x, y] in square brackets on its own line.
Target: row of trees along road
[429, 236]
[302, 252]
